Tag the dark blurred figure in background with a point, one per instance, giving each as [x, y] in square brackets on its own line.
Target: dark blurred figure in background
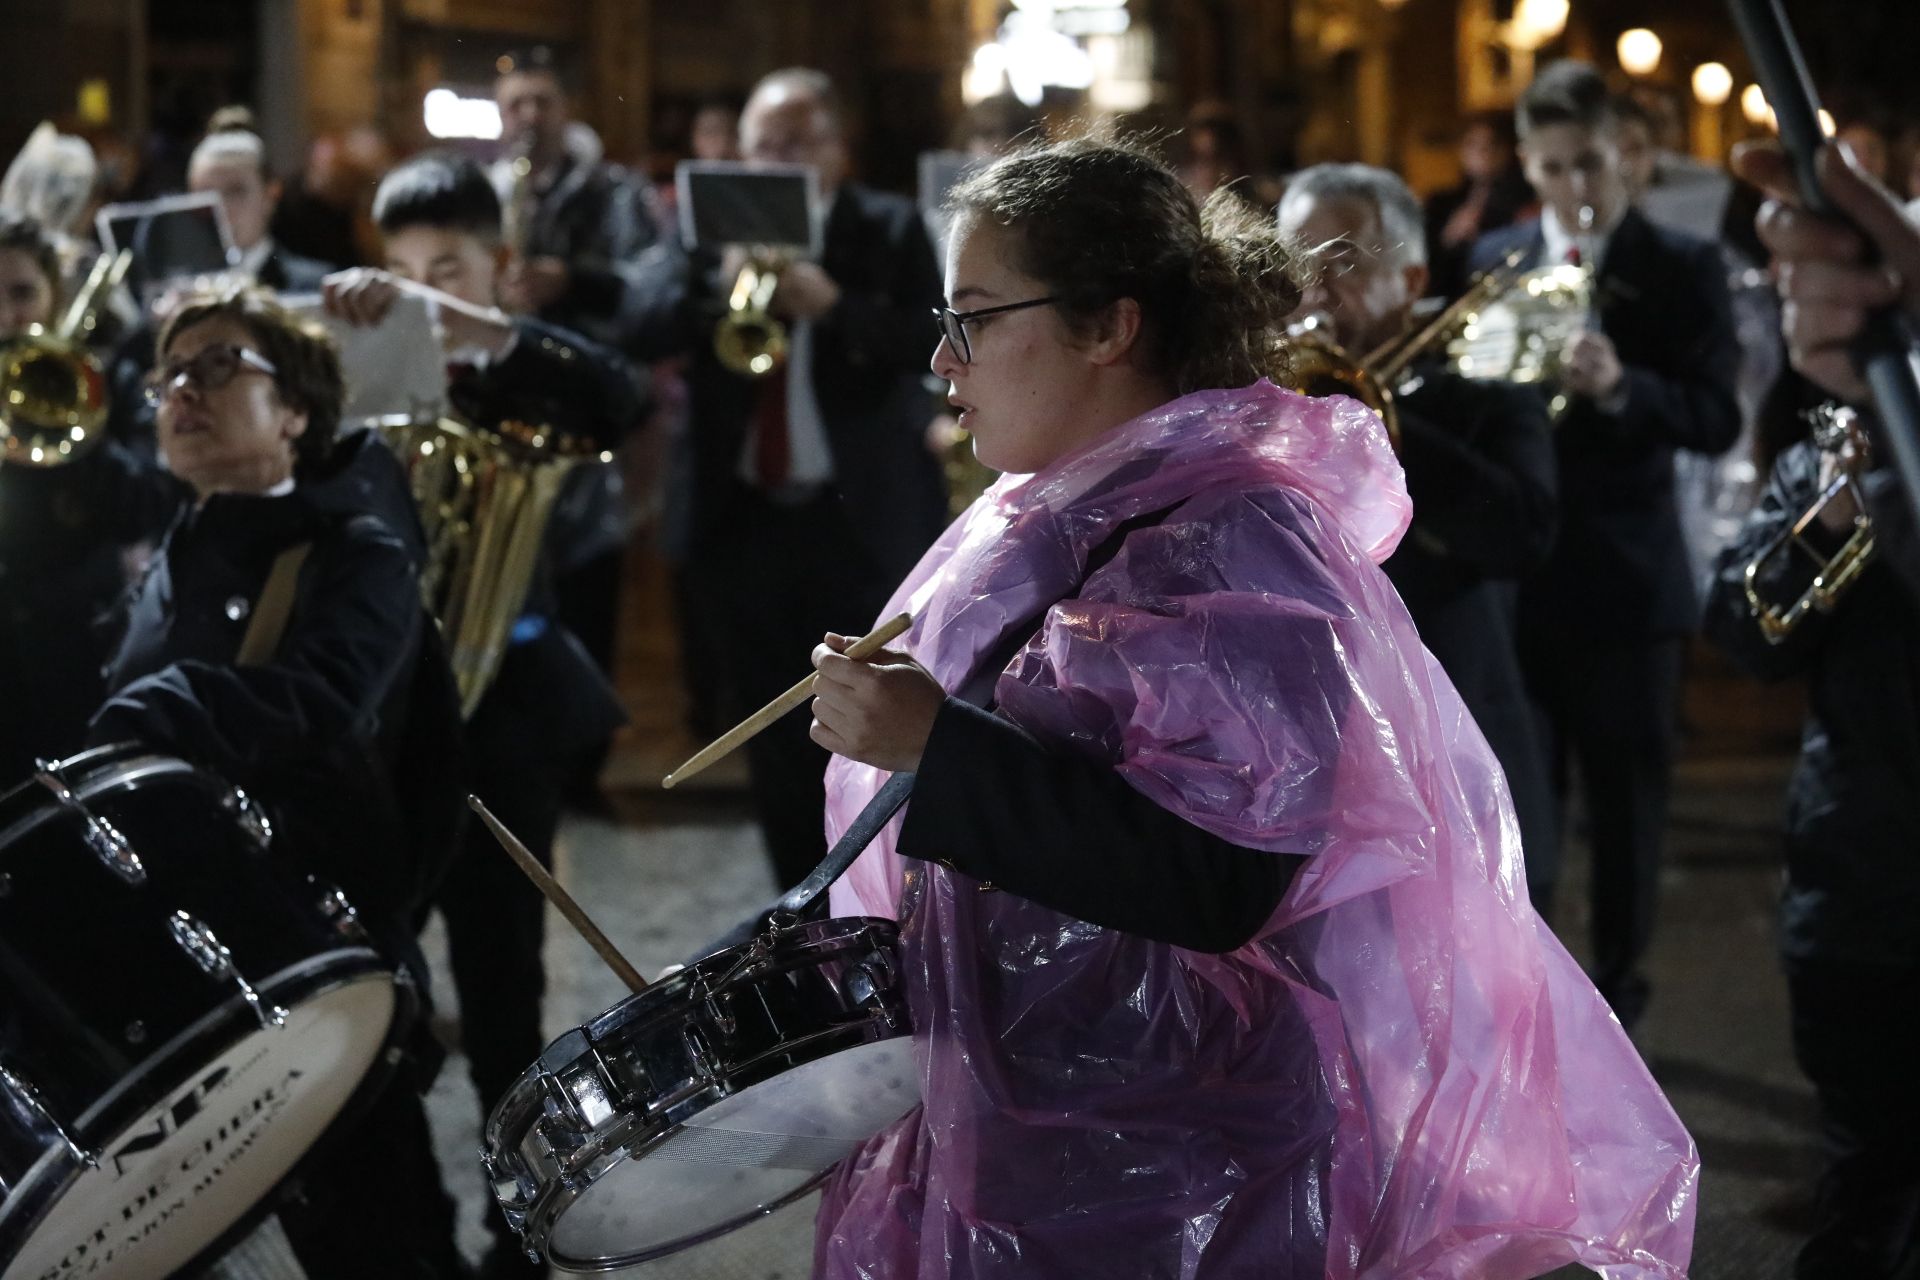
[1491, 194]
[324, 210]
[808, 492]
[232, 162]
[574, 223]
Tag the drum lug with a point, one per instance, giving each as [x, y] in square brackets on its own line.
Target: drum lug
[213, 959]
[251, 817]
[337, 911]
[102, 837]
[27, 1098]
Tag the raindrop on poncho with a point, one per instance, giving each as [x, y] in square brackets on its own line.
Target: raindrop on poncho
[1403, 1074]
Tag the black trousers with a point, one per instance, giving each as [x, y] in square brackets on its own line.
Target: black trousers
[373, 1205]
[1856, 1033]
[1611, 708]
[496, 922]
[767, 590]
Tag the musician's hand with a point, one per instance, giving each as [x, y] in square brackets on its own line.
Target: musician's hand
[806, 292]
[529, 287]
[1592, 365]
[879, 712]
[1827, 287]
[361, 296]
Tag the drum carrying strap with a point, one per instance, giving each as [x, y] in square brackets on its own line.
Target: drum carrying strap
[275, 606]
[979, 691]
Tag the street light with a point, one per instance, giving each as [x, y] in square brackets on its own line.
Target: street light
[1712, 84]
[1537, 22]
[1639, 51]
[1753, 105]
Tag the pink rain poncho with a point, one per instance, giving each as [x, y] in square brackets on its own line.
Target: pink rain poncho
[1404, 1074]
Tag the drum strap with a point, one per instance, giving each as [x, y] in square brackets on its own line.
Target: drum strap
[274, 607]
[979, 691]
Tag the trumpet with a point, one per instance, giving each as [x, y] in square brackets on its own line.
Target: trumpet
[1836, 433]
[53, 390]
[749, 340]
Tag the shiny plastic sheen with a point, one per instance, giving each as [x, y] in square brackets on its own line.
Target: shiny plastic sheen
[1404, 1075]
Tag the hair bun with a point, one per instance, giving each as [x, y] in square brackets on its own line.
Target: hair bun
[237, 118]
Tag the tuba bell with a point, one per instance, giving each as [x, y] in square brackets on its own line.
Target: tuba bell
[53, 390]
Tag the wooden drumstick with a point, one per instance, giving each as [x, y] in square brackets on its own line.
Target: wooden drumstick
[560, 898]
[865, 647]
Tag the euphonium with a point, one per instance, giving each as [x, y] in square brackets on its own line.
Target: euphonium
[53, 390]
[484, 498]
[748, 340]
[1835, 429]
[1520, 332]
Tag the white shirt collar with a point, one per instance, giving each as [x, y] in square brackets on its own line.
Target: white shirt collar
[252, 260]
[1557, 239]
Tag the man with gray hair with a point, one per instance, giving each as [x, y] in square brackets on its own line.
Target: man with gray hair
[1479, 463]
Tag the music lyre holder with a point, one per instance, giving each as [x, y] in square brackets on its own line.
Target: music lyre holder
[1885, 351]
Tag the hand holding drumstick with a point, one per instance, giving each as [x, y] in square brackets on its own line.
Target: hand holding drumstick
[850, 704]
[879, 710]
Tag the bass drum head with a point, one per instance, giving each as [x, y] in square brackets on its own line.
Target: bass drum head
[171, 1183]
[737, 1160]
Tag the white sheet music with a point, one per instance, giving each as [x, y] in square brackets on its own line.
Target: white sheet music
[396, 367]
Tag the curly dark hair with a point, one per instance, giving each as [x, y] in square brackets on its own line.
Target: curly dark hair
[304, 355]
[1100, 219]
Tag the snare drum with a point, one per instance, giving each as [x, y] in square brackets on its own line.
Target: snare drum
[711, 1098]
[181, 1017]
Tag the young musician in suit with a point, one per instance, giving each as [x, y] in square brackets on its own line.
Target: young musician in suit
[1603, 626]
[1479, 462]
[231, 161]
[809, 490]
[550, 706]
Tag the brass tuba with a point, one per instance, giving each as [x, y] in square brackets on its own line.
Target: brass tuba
[484, 498]
[748, 340]
[53, 390]
[1836, 432]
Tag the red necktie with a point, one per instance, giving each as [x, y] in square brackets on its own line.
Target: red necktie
[1573, 255]
[772, 452]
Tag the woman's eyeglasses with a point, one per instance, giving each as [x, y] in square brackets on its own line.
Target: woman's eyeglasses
[209, 369]
[953, 324]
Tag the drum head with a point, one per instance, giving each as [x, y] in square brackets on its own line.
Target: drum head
[738, 1159]
[174, 1181]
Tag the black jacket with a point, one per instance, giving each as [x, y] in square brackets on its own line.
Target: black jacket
[1662, 298]
[595, 217]
[354, 712]
[868, 357]
[1480, 468]
[287, 272]
[1853, 808]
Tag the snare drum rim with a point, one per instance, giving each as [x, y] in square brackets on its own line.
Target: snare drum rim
[47, 1179]
[627, 1136]
[140, 766]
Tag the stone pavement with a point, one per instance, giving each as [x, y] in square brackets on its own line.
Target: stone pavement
[669, 875]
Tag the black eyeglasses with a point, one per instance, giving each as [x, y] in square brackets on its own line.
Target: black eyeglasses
[209, 369]
[953, 324]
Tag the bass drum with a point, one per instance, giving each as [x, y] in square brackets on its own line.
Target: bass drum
[708, 1100]
[181, 1016]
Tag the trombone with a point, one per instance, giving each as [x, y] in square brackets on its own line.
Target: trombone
[1319, 366]
[53, 390]
[1836, 432]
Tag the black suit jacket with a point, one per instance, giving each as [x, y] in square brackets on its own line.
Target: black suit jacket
[287, 272]
[1620, 566]
[868, 357]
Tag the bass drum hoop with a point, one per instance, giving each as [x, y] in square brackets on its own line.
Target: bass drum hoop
[39, 1192]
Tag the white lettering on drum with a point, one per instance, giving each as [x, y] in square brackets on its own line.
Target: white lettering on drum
[203, 1165]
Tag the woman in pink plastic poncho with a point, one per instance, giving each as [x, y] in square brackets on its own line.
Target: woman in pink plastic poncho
[1215, 929]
